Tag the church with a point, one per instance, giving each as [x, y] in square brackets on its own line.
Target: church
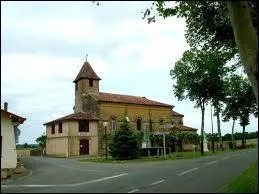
[95, 112]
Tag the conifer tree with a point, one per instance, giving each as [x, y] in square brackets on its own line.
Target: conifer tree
[124, 144]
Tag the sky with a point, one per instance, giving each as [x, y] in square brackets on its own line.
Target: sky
[44, 44]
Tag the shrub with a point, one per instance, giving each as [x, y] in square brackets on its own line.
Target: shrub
[251, 145]
[124, 144]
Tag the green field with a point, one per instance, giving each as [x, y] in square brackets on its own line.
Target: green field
[248, 141]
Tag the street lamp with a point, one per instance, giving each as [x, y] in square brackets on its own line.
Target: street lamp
[105, 124]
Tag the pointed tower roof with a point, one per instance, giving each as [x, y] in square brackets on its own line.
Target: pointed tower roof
[86, 72]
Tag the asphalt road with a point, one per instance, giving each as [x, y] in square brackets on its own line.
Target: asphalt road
[59, 175]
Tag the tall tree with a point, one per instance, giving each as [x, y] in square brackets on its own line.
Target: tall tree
[193, 81]
[218, 72]
[238, 105]
[234, 88]
[246, 39]
[211, 68]
[220, 26]
[247, 106]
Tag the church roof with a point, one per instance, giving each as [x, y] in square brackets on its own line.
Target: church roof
[74, 116]
[183, 128]
[176, 114]
[178, 127]
[86, 72]
[120, 98]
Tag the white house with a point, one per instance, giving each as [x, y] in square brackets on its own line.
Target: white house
[8, 149]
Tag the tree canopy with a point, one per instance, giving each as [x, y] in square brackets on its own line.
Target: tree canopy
[218, 26]
[42, 141]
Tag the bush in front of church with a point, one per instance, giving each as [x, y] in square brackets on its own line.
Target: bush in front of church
[124, 145]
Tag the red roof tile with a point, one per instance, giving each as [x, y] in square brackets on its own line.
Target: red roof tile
[176, 114]
[13, 116]
[178, 127]
[74, 116]
[119, 98]
[183, 128]
[86, 72]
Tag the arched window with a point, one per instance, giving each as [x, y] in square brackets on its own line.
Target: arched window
[161, 121]
[113, 121]
[139, 124]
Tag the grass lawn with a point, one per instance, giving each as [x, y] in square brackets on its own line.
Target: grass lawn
[171, 156]
[247, 182]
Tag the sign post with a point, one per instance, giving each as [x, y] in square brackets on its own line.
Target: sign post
[162, 133]
[163, 130]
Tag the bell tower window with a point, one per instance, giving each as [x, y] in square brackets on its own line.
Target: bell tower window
[91, 83]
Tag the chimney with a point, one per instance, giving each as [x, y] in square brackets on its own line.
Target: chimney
[5, 106]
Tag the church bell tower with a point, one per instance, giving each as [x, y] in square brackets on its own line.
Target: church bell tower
[86, 82]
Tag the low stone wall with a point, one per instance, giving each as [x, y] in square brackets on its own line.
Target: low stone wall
[25, 152]
[28, 152]
[187, 147]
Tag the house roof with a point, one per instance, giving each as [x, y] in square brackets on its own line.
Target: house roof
[183, 128]
[74, 116]
[121, 98]
[86, 72]
[13, 116]
[177, 114]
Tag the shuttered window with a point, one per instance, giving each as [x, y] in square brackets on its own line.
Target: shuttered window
[83, 126]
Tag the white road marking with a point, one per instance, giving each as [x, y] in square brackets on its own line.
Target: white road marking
[157, 182]
[187, 171]
[225, 158]
[98, 180]
[133, 191]
[211, 163]
[67, 185]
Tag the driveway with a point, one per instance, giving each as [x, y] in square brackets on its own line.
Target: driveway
[208, 174]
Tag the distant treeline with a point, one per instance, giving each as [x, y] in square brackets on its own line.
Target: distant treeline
[237, 136]
[26, 145]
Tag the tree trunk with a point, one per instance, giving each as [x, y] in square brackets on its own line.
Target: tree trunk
[246, 40]
[181, 145]
[243, 137]
[219, 131]
[212, 136]
[202, 126]
[232, 134]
